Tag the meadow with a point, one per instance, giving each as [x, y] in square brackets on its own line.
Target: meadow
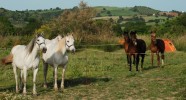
[96, 74]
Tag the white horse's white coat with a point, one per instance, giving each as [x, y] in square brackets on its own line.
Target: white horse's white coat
[26, 57]
[56, 56]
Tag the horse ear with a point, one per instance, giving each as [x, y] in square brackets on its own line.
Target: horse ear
[37, 35]
[125, 33]
[135, 32]
[42, 33]
[59, 37]
[68, 34]
[72, 34]
[62, 35]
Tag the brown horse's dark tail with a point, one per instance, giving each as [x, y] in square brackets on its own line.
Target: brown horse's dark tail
[7, 60]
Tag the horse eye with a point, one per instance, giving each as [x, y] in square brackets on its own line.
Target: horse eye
[37, 40]
[67, 41]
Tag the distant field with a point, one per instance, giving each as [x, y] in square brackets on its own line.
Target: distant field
[115, 11]
[95, 74]
[147, 18]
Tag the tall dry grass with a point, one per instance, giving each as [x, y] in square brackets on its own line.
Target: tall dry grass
[178, 41]
[10, 41]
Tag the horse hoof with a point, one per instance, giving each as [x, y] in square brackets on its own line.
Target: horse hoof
[24, 94]
[34, 94]
[45, 86]
[17, 91]
[56, 89]
[62, 89]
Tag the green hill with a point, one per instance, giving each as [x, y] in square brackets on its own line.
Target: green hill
[115, 11]
[124, 11]
[144, 10]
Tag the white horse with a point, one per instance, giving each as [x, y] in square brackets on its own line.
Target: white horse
[56, 55]
[24, 58]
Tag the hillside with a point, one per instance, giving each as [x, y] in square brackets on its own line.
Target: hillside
[144, 10]
[124, 11]
[20, 18]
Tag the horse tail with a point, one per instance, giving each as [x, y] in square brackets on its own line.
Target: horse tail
[7, 60]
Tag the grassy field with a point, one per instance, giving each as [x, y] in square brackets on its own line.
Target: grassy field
[95, 74]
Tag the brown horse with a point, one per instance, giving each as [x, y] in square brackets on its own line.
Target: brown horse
[157, 46]
[137, 48]
[126, 44]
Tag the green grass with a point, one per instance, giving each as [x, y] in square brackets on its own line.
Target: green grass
[95, 74]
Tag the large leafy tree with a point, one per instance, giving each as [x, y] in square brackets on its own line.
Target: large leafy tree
[79, 21]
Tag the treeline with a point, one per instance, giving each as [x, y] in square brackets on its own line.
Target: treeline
[25, 22]
[174, 26]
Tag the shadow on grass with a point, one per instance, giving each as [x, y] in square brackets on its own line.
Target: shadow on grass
[12, 88]
[79, 81]
[150, 67]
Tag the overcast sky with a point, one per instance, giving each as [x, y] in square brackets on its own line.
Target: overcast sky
[163, 5]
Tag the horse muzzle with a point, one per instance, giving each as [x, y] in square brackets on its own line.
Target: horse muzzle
[73, 51]
[44, 50]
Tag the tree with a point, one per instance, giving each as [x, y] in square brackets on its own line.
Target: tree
[31, 26]
[82, 5]
[80, 22]
[138, 26]
[120, 19]
[117, 29]
[6, 28]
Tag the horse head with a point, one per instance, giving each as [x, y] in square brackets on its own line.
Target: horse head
[40, 41]
[153, 37]
[133, 37]
[69, 39]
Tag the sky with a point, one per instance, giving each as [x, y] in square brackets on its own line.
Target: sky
[163, 5]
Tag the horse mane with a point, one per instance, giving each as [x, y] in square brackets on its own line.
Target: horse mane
[61, 44]
[126, 35]
[30, 46]
[133, 34]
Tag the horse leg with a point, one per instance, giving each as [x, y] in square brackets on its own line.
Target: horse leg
[21, 80]
[130, 63]
[45, 69]
[137, 62]
[128, 60]
[162, 58]
[35, 70]
[15, 73]
[142, 60]
[24, 76]
[152, 58]
[55, 78]
[134, 59]
[158, 58]
[63, 78]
